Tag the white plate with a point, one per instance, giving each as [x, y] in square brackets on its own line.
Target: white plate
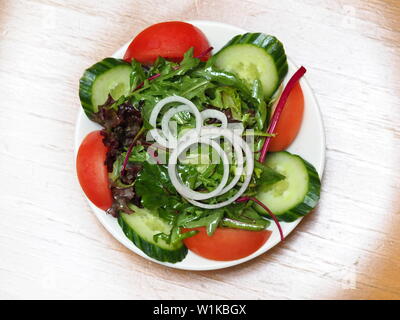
[309, 144]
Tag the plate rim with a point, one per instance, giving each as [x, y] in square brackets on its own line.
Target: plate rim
[212, 265]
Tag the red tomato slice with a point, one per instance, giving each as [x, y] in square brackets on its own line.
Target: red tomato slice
[92, 172]
[290, 120]
[226, 243]
[169, 40]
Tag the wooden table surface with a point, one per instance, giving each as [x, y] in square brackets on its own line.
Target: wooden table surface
[52, 246]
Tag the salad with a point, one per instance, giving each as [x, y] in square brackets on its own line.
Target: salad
[192, 152]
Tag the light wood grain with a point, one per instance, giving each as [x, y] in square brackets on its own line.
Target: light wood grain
[52, 246]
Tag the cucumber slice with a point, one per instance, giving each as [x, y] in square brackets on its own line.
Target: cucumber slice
[141, 227]
[255, 56]
[109, 76]
[297, 194]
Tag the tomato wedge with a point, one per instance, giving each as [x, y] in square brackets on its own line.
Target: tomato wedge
[92, 172]
[169, 40]
[290, 120]
[226, 243]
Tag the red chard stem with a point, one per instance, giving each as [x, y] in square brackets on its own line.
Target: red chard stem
[279, 108]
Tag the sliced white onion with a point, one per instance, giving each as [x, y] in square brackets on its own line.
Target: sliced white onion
[172, 140]
[249, 171]
[156, 110]
[232, 138]
[165, 128]
[236, 127]
[157, 136]
[180, 186]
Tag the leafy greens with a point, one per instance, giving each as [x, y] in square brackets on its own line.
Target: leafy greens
[148, 184]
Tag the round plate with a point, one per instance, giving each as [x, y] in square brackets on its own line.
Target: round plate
[309, 144]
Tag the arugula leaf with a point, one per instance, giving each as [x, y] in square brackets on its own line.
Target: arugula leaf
[257, 133]
[251, 99]
[189, 175]
[169, 70]
[265, 176]
[210, 73]
[258, 95]
[137, 75]
[195, 89]
[241, 216]
[176, 235]
[188, 63]
[211, 221]
[162, 67]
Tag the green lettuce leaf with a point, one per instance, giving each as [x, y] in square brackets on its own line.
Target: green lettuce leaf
[155, 188]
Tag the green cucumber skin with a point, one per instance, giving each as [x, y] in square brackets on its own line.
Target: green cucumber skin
[270, 44]
[88, 78]
[311, 198]
[314, 189]
[150, 249]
